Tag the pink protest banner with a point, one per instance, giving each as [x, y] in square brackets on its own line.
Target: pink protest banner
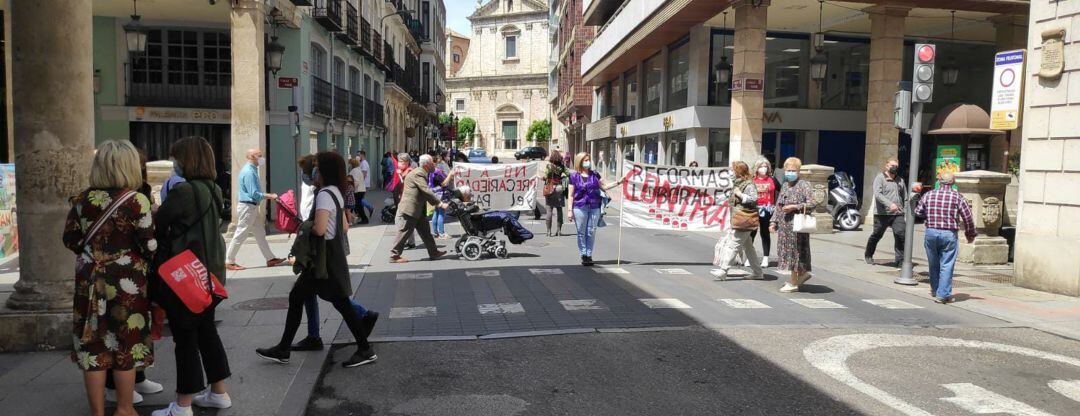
[676, 197]
[504, 187]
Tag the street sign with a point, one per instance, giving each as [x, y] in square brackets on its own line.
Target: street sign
[1006, 101]
[287, 82]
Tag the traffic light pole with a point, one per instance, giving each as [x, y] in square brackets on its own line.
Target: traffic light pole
[907, 270]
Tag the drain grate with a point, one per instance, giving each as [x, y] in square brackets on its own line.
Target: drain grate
[263, 304]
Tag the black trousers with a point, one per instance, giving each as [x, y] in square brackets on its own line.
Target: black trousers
[359, 209]
[198, 350]
[882, 222]
[766, 240]
[302, 290]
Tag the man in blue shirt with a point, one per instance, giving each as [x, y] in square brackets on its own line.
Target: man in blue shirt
[249, 196]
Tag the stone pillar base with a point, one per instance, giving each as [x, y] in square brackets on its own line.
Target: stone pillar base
[824, 223]
[34, 331]
[985, 250]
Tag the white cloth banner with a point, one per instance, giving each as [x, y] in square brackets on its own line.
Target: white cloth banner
[501, 187]
[676, 197]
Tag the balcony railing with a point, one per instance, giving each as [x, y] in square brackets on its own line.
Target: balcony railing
[328, 14]
[322, 95]
[389, 57]
[183, 96]
[341, 103]
[377, 47]
[351, 35]
[365, 36]
[356, 108]
[379, 115]
[369, 111]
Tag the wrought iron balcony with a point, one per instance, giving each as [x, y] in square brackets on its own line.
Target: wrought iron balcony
[341, 103]
[322, 95]
[377, 47]
[356, 108]
[369, 111]
[365, 37]
[388, 59]
[351, 35]
[328, 14]
[379, 115]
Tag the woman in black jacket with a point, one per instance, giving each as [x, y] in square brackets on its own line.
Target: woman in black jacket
[191, 219]
[336, 287]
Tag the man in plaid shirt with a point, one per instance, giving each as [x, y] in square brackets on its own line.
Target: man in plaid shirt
[943, 209]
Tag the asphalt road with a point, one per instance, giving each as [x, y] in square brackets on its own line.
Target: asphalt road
[694, 346]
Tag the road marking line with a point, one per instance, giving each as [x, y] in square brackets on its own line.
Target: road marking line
[981, 401]
[672, 271]
[414, 276]
[413, 312]
[581, 305]
[744, 304]
[664, 303]
[500, 308]
[1067, 388]
[891, 304]
[819, 304]
[545, 271]
[482, 273]
[612, 270]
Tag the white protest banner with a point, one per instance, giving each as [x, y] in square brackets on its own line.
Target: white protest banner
[504, 187]
[676, 197]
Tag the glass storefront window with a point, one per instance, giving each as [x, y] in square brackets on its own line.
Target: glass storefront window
[787, 70]
[719, 141]
[678, 75]
[848, 74]
[650, 149]
[602, 101]
[631, 94]
[612, 157]
[628, 149]
[676, 149]
[653, 78]
[720, 90]
[616, 97]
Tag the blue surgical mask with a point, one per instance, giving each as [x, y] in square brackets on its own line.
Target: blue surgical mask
[791, 176]
[587, 165]
[307, 179]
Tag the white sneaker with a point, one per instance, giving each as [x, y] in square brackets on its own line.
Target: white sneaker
[719, 274]
[789, 288]
[110, 396]
[148, 387]
[174, 410]
[211, 399]
[765, 261]
[746, 263]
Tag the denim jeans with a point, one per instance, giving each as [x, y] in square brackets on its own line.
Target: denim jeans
[585, 220]
[438, 219]
[941, 254]
[311, 305]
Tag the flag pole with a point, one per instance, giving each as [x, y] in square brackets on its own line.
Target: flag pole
[618, 261]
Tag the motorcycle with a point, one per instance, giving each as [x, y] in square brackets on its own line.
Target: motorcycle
[844, 202]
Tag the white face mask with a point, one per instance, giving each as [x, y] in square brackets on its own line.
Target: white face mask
[262, 161]
[763, 170]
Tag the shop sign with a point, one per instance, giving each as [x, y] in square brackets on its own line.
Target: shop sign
[668, 122]
[1053, 54]
[773, 117]
[1008, 90]
[747, 84]
[287, 82]
[180, 115]
[948, 160]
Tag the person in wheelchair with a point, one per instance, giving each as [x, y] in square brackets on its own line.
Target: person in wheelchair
[479, 227]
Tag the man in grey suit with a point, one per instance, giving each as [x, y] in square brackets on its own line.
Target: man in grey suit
[412, 211]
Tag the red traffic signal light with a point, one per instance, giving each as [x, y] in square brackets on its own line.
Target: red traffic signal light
[926, 53]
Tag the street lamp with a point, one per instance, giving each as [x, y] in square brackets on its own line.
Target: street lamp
[950, 74]
[135, 33]
[819, 64]
[275, 50]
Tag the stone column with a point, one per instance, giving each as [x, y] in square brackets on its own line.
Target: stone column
[818, 176]
[886, 69]
[747, 107]
[53, 125]
[985, 192]
[247, 23]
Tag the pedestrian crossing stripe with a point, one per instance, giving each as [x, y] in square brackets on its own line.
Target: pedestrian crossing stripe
[744, 304]
[413, 312]
[482, 273]
[612, 270]
[545, 271]
[499, 308]
[581, 305]
[819, 304]
[414, 276]
[891, 304]
[672, 271]
[665, 303]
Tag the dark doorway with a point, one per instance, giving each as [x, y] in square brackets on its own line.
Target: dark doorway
[845, 151]
[156, 138]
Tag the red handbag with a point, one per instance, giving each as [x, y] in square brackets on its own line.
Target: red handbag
[188, 278]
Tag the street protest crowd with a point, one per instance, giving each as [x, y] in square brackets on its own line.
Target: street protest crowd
[141, 265]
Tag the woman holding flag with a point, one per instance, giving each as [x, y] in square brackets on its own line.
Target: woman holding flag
[583, 203]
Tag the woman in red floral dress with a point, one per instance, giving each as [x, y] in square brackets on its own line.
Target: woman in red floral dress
[111, 319]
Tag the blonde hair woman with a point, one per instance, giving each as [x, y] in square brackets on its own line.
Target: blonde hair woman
[583, 203]
[743, 203]
[793, 248]
[111, 312]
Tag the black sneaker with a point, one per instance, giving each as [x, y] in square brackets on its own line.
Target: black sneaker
[869, 260]
[368, 321]
[275, 354]
[588, 261]
[360, 358]
[584, 261]
[308, 344]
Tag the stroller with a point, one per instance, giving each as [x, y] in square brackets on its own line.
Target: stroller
[388, 211]
[479, 229]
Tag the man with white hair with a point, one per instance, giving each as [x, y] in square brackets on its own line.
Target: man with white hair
[943, 209]
[412, 210]
[247, 213]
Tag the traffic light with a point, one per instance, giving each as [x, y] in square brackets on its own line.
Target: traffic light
[922, 86]
[902, 106]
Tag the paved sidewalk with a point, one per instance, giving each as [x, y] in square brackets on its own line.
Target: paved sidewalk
[48, 383]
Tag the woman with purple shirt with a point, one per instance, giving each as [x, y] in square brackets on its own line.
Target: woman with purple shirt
[584, 199]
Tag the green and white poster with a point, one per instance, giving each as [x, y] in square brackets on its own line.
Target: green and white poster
[947, 160]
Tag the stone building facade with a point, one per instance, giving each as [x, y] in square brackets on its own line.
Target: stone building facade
[502, 82]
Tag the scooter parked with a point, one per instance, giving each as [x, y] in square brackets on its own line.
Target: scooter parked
[844, 202]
